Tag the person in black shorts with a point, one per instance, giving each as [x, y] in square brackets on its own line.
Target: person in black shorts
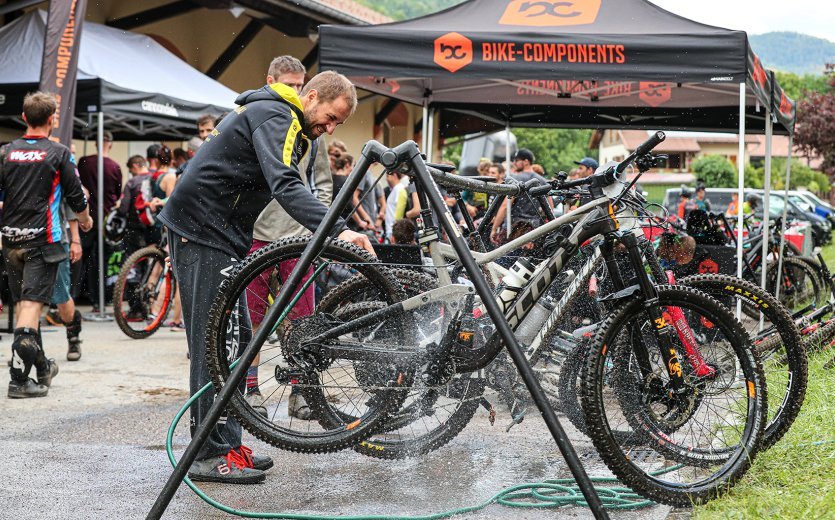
[36, 175]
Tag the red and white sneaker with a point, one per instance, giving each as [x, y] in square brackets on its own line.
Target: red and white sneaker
[231, 468]
[259, 462]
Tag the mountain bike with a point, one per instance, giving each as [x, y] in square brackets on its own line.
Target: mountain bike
[144, 291]
[378, 348]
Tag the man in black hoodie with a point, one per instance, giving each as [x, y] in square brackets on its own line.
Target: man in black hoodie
[250, 157]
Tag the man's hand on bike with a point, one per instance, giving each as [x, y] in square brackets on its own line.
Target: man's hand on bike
[86, 224]
[494, 236]
[358, 239]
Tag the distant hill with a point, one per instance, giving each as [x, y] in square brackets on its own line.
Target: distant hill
[793, 52]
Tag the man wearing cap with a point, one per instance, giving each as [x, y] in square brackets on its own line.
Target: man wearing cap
[685, 205]
[521, 208]
[586, 167]
[112, 191]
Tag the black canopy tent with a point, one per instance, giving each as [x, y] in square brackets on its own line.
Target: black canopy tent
[579, 63]
[586, 63]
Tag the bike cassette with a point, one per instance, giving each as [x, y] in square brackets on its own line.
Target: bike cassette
[298, 351]
[440, 369]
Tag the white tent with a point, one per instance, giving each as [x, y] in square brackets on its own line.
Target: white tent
[141, 88]
[129, 82]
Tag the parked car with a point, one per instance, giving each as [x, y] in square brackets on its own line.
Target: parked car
[805, 200]
[720, 199]
[821, 227]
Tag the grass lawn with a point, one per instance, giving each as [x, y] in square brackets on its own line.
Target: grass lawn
[795, 478]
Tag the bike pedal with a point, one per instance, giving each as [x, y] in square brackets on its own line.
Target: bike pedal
[286, 376]
[516, 419]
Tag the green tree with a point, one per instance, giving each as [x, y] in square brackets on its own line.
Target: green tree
[798, 87]
[403, 9]
[555, 148]
[716, 171]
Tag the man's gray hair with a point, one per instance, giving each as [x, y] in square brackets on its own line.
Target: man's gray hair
[285, 65]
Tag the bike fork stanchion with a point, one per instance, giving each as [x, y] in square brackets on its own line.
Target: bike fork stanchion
[370, 155]
[503, 328]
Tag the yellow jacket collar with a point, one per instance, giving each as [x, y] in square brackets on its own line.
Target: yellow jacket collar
[288, 94]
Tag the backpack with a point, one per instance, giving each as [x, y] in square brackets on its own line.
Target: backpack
[141, 204]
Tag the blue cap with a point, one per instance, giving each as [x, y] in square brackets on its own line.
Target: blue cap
[588, 162]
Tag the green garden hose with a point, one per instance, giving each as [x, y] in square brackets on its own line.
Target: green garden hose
[547, 494]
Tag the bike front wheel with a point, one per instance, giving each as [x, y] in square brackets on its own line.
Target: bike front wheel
[684, 445]
[143, 293]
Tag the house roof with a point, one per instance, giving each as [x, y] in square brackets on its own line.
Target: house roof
[355, 9]
[780, 148]
[711, 137]
[632, 138]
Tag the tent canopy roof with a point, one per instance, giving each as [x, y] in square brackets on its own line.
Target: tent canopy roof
[142, 88]
[609, 63]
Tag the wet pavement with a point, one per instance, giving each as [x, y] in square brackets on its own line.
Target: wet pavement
[94, 448]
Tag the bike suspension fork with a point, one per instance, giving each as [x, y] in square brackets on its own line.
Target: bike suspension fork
[661, 329]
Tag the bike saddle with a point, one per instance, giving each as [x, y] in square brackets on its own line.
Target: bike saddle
[446, 168]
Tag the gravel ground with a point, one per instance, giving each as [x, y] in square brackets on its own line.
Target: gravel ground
[94, 448]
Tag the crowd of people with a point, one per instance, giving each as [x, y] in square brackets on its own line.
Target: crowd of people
[261, 174]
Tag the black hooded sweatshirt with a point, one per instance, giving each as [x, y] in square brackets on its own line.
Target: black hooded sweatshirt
[251, 156]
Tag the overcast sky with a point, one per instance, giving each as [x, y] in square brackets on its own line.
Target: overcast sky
[814, 17]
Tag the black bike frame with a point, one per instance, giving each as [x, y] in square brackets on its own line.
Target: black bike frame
[373, 152]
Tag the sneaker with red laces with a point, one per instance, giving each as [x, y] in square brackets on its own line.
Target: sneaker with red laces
[260, 462]
[231, 468]
[135, 316]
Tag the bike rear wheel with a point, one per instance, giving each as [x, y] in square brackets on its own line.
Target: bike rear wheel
[430, 417]
[333, 388]
[778, 346]
[800, 287]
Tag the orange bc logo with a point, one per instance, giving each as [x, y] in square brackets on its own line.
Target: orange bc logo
[453, 51]
[544, 13]
[759, 73]
[708, 266]
[785, 104]
[655, 94]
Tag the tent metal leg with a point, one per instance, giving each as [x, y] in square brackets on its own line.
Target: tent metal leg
[740, 163]
[767, 201]
[785, 210]
[424, 132]
[100, 211]
[509, 164]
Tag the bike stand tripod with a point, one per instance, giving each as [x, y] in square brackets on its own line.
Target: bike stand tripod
[374, 152]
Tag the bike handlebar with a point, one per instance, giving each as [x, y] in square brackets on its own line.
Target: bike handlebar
[647, 146]
[513, 189]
